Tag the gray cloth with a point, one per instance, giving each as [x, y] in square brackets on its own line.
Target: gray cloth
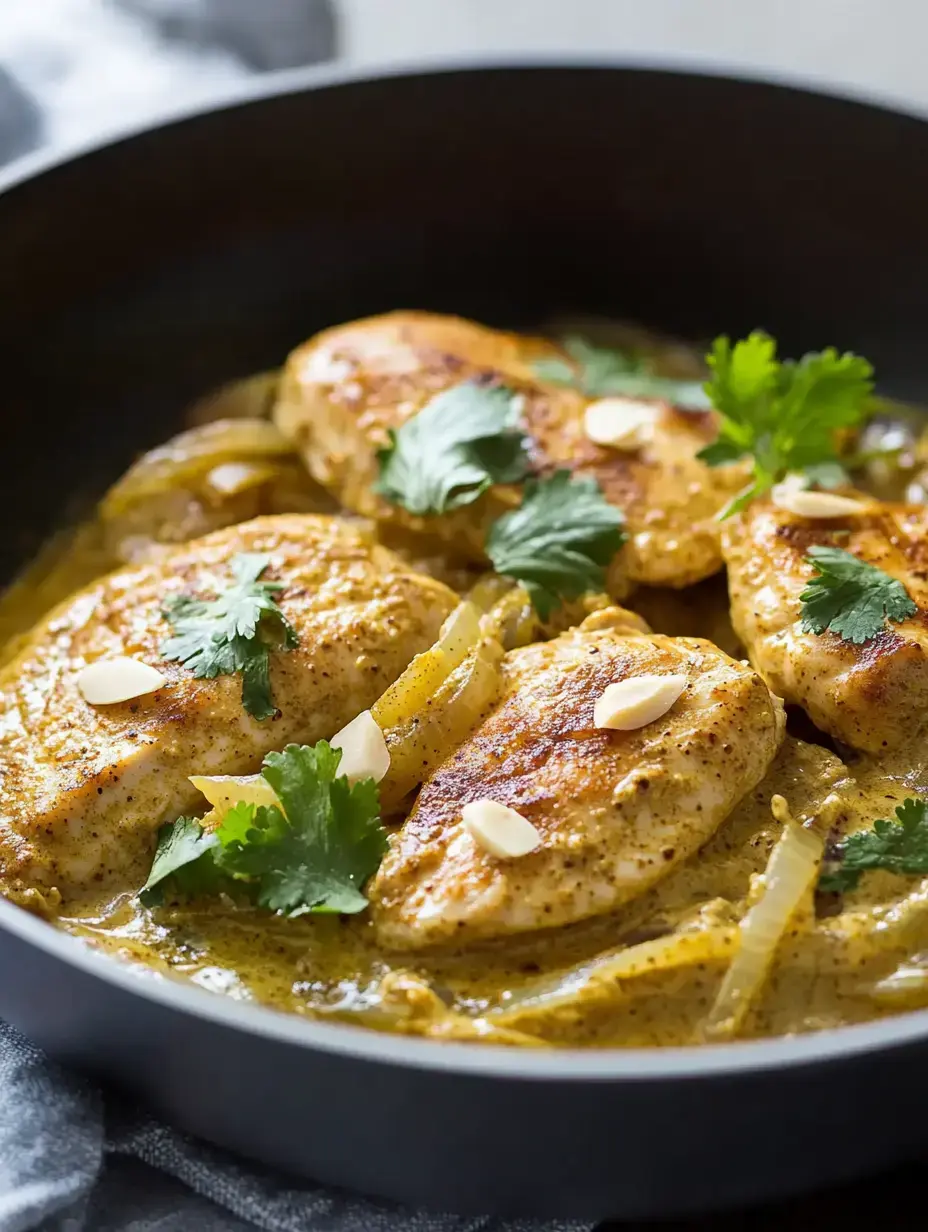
[73, 1159]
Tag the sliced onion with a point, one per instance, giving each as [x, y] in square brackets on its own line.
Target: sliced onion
[608, 973]
[788, 878]
[906, 987]
[404, 1002]
[418, 746]
[407, 696]
[190, 456]
[252, 397]
[224, 791]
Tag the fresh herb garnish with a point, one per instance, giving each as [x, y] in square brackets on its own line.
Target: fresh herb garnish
[459, 444]
[314, 853]
[850, 597]
[233, 633]
[783, 414]
[559, 541]
[183, 854]
[899, 846]
[600, 372]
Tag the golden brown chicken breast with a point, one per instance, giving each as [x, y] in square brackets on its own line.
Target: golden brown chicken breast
[344, 389]
[85, 787]
[615, 810]
[871, 695]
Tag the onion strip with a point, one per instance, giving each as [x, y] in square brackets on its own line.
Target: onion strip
[407, 696]
[444, 722]
[788, 878]
[403, 1002]
[190, 456]
[606, 974]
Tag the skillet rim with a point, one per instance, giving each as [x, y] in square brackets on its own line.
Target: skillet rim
[487, 1060]
[284, 82]
[556, 1065]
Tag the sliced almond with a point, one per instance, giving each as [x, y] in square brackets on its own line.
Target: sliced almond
[621, 423]
[637, 701]
[499, 829]
[224, 791]
[110, 681]
[805, 504]
[364, 751]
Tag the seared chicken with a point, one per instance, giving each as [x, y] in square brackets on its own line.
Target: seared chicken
[871, 696]
[84, 788]
[615, 810]
[345, 388]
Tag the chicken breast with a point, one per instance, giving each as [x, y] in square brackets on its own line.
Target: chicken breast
[344, 389]
[615, 810]
[872, 696]
[84, 788]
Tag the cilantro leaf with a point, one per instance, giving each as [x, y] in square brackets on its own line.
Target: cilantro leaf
[783, 414]
[900, 846]
[233, 633]
[600, 371]
[318, 852]
[461, 443]
[184, 853]
[850, 597]
[559, 541]
[313, 854]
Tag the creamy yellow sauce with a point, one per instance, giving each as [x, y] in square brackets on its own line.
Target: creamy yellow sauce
[843, 969]
[676, 941]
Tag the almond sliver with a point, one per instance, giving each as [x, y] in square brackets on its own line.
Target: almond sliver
[805, 504]
[364, 751]
[499, 829]
[620, 423]
[110, 681]
[638, 700]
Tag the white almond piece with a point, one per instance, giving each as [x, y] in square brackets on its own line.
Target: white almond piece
[109, 681]
[620, 423]
[500, 830]
[637, 701]
[805, 504]
[364, 751]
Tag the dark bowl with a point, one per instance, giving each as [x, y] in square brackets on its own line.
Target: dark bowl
[144, 272]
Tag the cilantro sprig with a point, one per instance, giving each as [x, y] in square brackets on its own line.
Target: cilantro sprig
[600, 372]
[561, 537]
[461, 443]
[900, 846]
[559, 541]
[850, 597]
[234, 632]
[314, 853]
[783, 414]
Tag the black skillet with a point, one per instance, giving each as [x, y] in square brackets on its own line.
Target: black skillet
[142, 273]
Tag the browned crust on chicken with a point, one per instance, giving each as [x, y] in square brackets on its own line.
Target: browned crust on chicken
[344, 389]
[871, 696]
[616, 810]
[84, 788]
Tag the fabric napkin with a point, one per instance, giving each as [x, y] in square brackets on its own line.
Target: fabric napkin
[74, 1158]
